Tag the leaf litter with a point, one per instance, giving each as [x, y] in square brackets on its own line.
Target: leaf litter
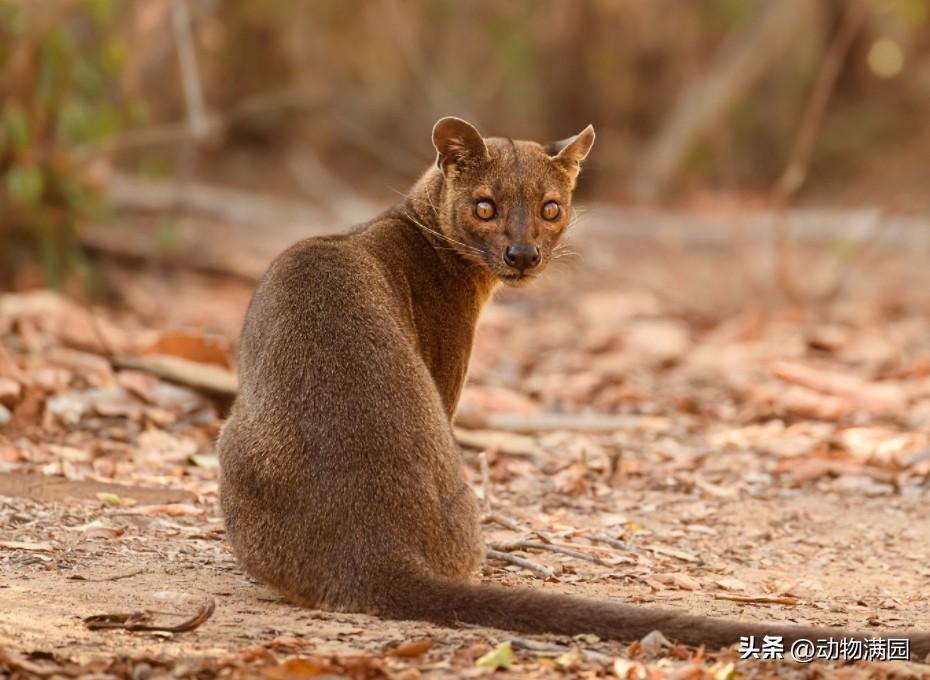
[742, 467]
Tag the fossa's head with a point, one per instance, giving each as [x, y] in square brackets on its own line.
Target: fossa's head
[506, 204]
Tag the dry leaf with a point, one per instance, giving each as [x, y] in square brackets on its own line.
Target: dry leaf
[412, 648]
[672, 552]
[730, 583]
[677, 580]
[105, 533]
[193, 347]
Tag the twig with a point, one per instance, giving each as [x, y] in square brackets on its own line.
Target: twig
[507, 546]
[536, 567]
[551, 649]
[795, 174]
[758, 599]
[117, 577]
[134, 621]
[548, 540]
[547, 422]
[229, 205]
[488, 515]
[204, 377]
[187, 57]
[614, 543]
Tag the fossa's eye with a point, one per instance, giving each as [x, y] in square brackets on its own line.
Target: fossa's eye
[551, 211]
[485, 210]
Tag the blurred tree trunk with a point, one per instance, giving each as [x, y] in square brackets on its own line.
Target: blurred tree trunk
[739, 65]
[564, 74]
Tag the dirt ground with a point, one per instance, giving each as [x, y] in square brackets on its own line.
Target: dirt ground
[762, 458]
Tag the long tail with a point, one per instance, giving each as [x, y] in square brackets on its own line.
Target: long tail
[448, 602]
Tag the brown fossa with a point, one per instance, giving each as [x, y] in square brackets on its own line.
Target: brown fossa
[341, 481]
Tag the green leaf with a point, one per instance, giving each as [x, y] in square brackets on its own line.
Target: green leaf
[113, 499]
[499, 657]
[588, 638]
[25, 185]
[206, 461]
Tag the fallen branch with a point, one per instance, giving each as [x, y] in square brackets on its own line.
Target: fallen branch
[536, 567]
[204, 377]
[223, 203]
[136, 621]
[758, 599]
[508, 546]
[547, 422]
[104, 579]
[503, 520]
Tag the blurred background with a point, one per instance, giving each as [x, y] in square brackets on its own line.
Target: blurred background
[212, 133]
[732, 355]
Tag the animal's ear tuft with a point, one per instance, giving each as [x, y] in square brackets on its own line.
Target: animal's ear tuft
[574, 150]
[457, 141]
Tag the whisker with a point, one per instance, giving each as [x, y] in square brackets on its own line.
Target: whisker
[441, 235]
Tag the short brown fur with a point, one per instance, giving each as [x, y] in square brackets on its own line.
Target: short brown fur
[341, 480]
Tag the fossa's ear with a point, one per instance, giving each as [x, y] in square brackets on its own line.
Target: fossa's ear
[457, 141]
[572, 151]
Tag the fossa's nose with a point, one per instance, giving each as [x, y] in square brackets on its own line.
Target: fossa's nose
[521, 256]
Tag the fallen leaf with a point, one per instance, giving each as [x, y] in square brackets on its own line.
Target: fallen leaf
[730, 583]
[653, 643]
[10, 392]
[672, 552]
[170, 510]
[805, 403]
[869, 396]
[192, 346]
[588, 638]
[629, 670]
[113, 499]
[677, 580]
[105, 533]
[295, 669]
[570, 660]
[206, 461]
[499, 657]
[412, 648]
